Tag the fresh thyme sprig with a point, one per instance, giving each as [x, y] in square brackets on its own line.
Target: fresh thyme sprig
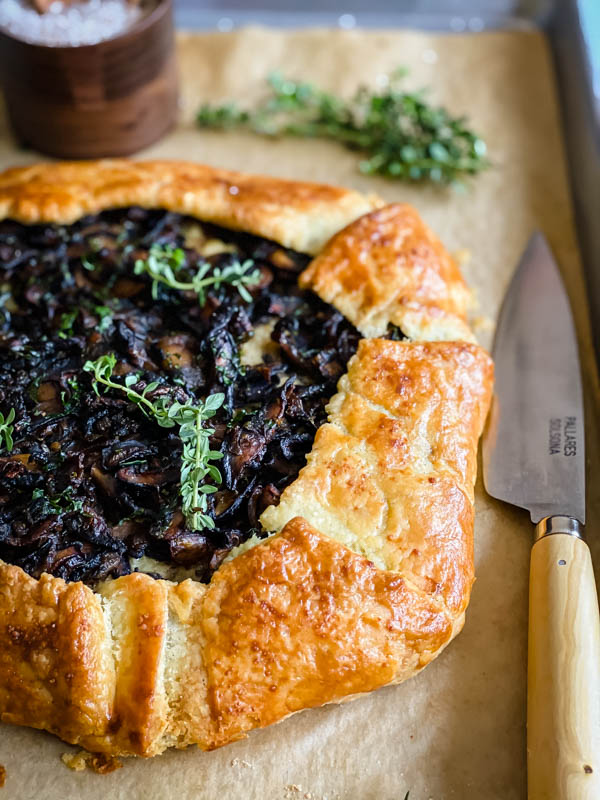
[164, 263]
[402, 135]
[6, 430]
[197, 456]
[102, 369]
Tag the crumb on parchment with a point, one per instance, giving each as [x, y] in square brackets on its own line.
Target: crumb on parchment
[482, 324]
[99, 763]
[240, 762]
[2, 775]
[462, 257]
[295, 792]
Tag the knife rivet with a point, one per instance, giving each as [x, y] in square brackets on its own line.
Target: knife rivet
[562, 562]
[587, 769]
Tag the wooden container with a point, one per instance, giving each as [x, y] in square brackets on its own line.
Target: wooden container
[106, 99]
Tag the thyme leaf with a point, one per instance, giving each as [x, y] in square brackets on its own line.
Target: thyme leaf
[105, 318]
[88, 264]
[72, 399]
[401, 134]
[65, 329]
[197, 457]
[59, 504]
[6, 430]
[164, 264]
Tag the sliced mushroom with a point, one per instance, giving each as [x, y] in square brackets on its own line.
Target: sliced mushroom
[283, 260]
[158, 478]
[187, 548]
[48, 398]
[117, 452]
[125, 287]
[176, 351]
[105, 482]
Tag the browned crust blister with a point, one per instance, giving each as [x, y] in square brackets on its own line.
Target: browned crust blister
[369, 571]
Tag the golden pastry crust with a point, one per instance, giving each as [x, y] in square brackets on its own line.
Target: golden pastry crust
[388, 267]
[302, 216]
[391, 475]
[295, 622]
[300, 621]
[384, 267]
[369, 575]
[367, 594]
[56, 670]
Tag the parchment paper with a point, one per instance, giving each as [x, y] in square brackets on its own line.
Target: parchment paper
[457, 730]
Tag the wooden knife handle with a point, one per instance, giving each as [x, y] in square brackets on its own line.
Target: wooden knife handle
[563, 696]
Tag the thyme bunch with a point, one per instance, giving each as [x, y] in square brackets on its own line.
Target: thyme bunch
[6, 430]
[164, 263]
[401, 134]
[197, 456]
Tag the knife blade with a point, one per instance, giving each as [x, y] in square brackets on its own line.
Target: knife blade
[533, 457]
[533, 453]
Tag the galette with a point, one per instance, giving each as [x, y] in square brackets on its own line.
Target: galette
[238, 435]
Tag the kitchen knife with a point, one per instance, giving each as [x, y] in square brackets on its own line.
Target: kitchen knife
[533, 456]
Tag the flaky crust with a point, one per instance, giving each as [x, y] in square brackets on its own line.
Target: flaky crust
[388, 267]
[294, 622]
[367, 594]
[384, 267]
[369, 569]
[391, 475]
[299, 215]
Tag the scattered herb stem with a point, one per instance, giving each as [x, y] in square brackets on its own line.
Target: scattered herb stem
[402, 135]
[164, 263]
[197, 456]
[103, 368]
[197, 461]
[6, 430]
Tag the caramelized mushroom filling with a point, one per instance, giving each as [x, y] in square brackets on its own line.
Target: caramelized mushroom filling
[90, 487]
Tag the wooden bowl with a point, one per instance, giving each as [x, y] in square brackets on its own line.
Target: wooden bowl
[106, 99]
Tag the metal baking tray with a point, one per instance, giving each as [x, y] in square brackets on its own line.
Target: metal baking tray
[572, 26]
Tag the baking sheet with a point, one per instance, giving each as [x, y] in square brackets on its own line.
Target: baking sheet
[457, 730]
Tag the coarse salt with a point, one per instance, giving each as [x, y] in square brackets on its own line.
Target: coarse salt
[71, 25]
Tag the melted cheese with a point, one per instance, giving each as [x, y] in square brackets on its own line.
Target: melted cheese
[196, 239]
[212, 247]
[169, 572]
[259, 345]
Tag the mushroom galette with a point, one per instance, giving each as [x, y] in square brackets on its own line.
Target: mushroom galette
[238, 433]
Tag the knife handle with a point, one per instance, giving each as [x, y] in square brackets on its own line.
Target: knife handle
[563, 696]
